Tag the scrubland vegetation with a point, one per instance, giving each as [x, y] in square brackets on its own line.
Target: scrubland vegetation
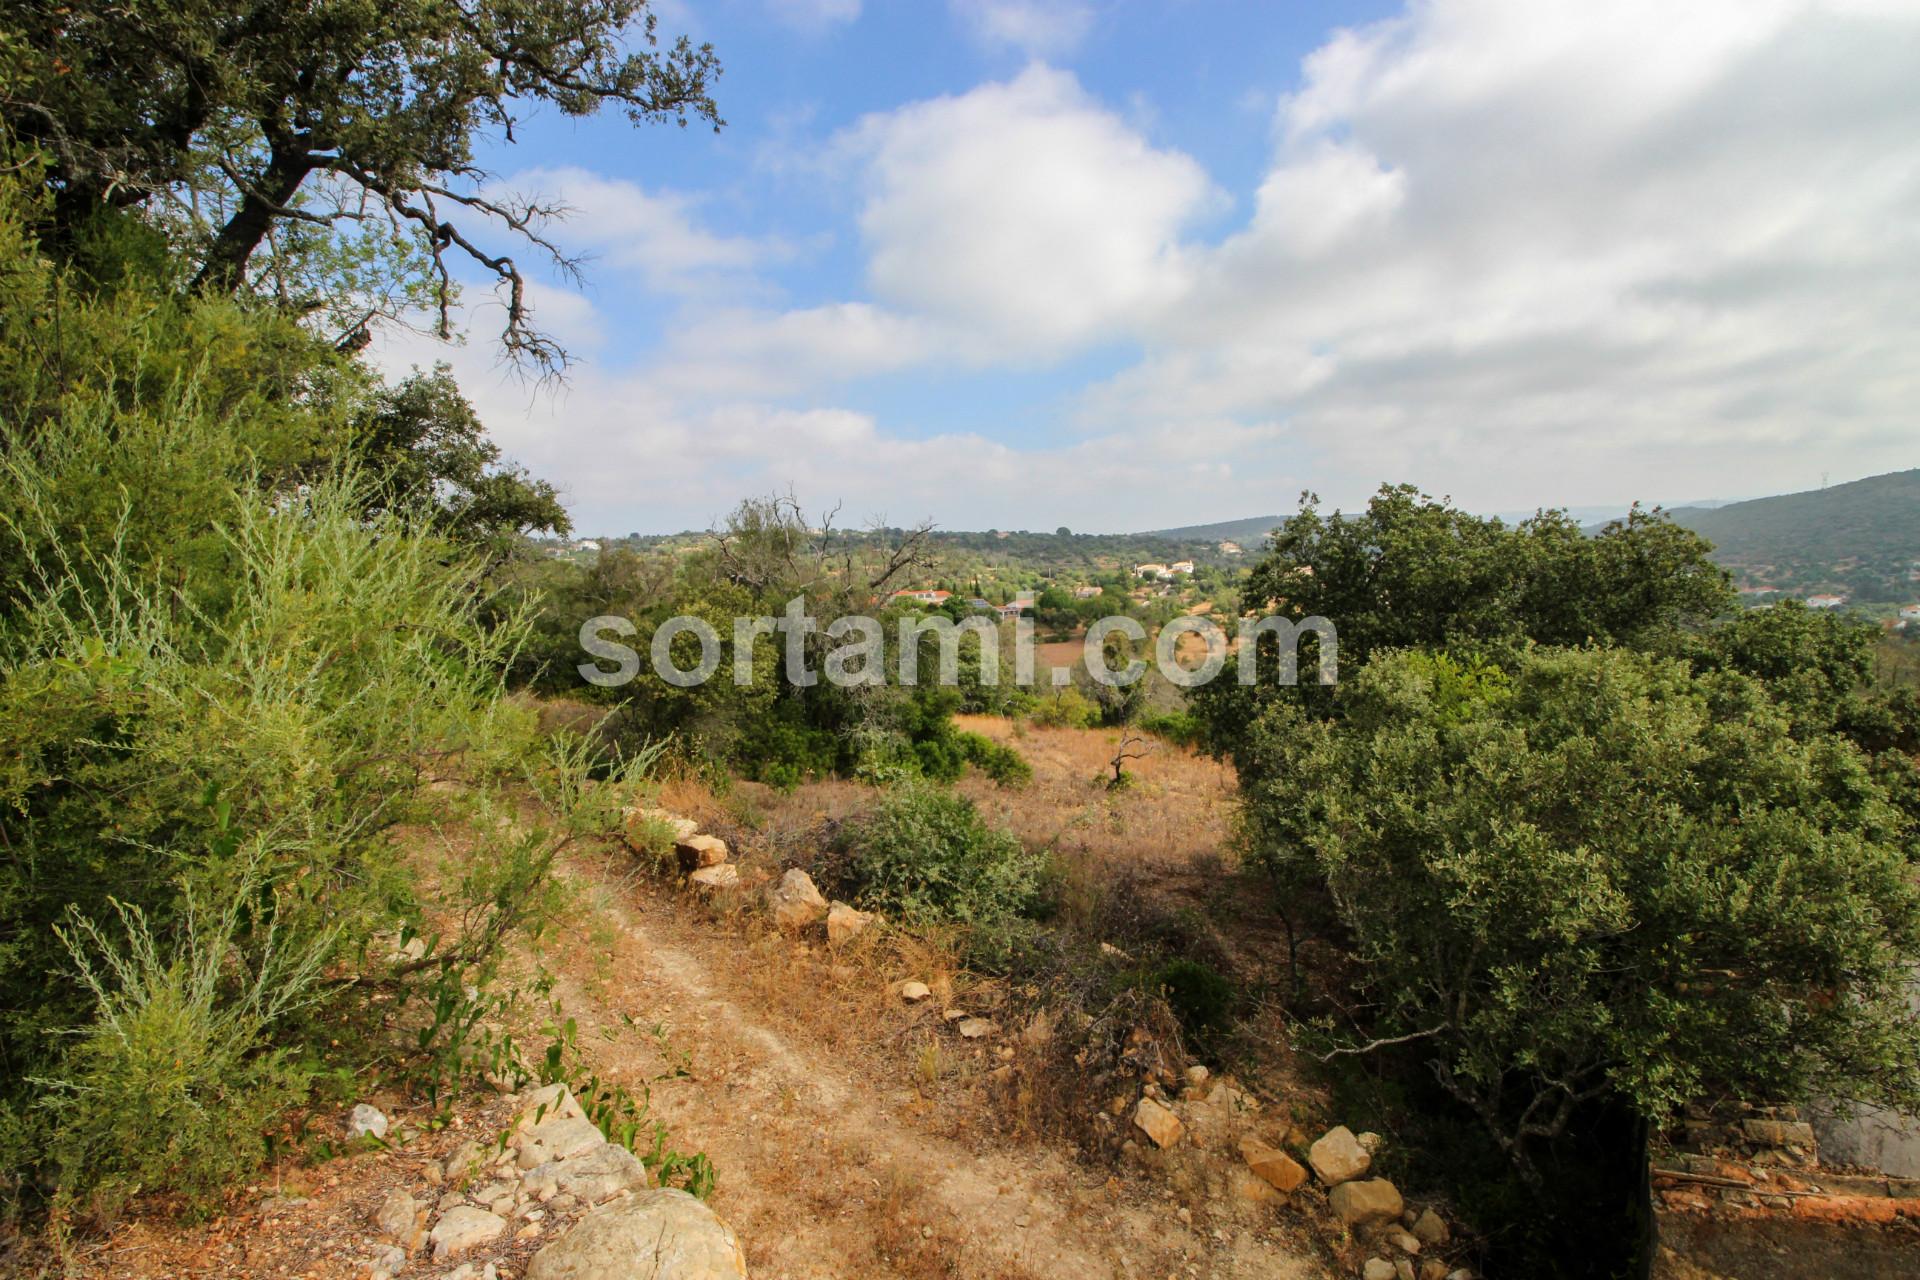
[1572, 845]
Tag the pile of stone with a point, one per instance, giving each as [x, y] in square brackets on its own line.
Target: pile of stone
[557, 1177]
[703, 859]
[1209, 1114]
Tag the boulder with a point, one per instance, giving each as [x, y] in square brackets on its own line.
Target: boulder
[1377, 1269]
[1405, 1241]
[556, 1138]
[914, 992]
[796, 901]
[401, 1220]
[1433, 1269]
[1276, 1168]
[1430, 1228]
[975, 1028]
[596, 1175]
[1403, 1269]
[1338, 1156]
[1197, 1076]
[652, 1235]
[1157, 1121]
[366, 1121]
[723, 876]
[844, 924]
[464, 1227]
[1371, 1201]
[696, 852]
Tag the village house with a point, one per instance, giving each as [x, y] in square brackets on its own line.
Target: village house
[1825, 602]
[1180, 566]
[1149, 571]
[924, 596]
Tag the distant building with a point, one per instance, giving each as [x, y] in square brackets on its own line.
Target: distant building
[924, 596]
[1012, 609]
[1911, 613]
[979, 605]
[1825, 602]
[1230, 549]
[586, 544]
[1181, 566]
[1085, 593]
[1149, 571]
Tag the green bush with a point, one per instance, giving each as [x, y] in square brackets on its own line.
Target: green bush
[1067, 709]
[924, 854]
[175, 1079]
[1199, 995]
[1001, 763]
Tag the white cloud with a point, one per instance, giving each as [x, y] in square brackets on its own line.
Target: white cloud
[1025, 214]
[656, 234]
[1519, 252]
[1037, 28]
[1539, 251]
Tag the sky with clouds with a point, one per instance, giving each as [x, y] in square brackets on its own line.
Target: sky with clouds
[1126, 264]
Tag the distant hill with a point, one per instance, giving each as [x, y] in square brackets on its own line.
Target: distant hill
[1249, 533]
[1876, 516]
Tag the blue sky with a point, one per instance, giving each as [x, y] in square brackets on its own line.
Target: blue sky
[1123, 265]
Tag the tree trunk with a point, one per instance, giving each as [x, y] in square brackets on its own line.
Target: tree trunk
[226, 264]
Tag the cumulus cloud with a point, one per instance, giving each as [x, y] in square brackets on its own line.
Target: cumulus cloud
[1567, 249]
[1038, 28]
[1521, 251]
[1024, 213]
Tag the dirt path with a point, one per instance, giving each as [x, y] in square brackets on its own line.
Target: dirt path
[831, 1163]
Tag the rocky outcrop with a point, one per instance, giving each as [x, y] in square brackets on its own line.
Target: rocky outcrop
[650, 1235]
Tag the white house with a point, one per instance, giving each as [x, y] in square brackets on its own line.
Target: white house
[1825, 602]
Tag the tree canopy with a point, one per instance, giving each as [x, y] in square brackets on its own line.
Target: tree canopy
[263, 134]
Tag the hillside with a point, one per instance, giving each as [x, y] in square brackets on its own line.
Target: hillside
[1862, 537]
[1249, 532]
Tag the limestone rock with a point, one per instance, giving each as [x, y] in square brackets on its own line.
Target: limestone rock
[1250, 1189]
[723, 876]
[673, 825]
[1377, 1269]
[796, 901]
[463, 1161]
[388, 1262]
[1157, 1121]
[1196, 1076]
[462, 1228]
[557, 1138]
[844, 924]
[1358, 1203]
[914, 992]
[594, 1176]
[545, 1103]
[1338, 1157]
[696, 852]
[1433, 1269]
[401, 1219]
[1402, 1269]
[1431, 1228]
[975, 1028]
[366, 1121]
[1404, 1241]
[654, 1235]
[1276, 1168]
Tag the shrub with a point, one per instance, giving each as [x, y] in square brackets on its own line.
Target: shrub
[1066, 709]
[1199, 995]
[1003, 764]
[924, 854]
[175, 1079]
